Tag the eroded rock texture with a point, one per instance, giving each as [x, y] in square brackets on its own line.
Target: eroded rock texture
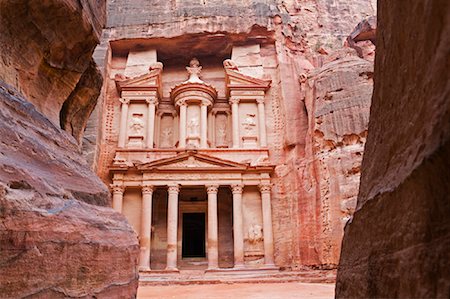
[398, 243]
[316, 130]
[46, 48]
[58, 237]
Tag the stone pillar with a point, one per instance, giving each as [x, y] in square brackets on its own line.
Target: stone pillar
[204, 125]
[235, 117]
[123, 121]
[238, 229]
[183, 112]
[151, 122]
[146, 228]
[262, 123]
[213, 241]
[267, 224]
[172, 227]
[118, 191]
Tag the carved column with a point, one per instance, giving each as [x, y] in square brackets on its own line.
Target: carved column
[235, 116]
[172, 227]
[213, 241]
[267, 224]
[262, 123]
[146, 228]
[183, 111]
[118, 190]
[204, 125]
[151, 122]
[238, 229]
[123, 121]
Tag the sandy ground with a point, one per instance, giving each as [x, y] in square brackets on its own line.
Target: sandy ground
[240, 291]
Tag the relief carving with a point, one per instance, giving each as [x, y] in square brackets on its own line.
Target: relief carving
[137, 125]
[249, 124]
[255, 234]
[193, 126]
[166, 137]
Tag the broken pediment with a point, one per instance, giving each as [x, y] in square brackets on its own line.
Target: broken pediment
[146, 82]
[235, 80]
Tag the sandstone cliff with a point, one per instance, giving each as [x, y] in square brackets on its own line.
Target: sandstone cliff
[59, 238]
[398, 243]
[316, 176]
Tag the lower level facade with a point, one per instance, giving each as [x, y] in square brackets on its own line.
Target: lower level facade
[195, 209]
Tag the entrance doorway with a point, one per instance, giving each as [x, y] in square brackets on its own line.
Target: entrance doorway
[193, 243]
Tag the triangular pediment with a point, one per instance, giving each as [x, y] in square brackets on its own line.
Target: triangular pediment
[192, 161]
[238, 80]
[149, 81]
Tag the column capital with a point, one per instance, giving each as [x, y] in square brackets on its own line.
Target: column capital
[152, 100]
[265, 187]
[234, 101]
[174, 188]
[212, 189]
[147, 189]
[237, 188]
[124, 100]
[206, 103]
[117, 187]
[260, 100]
[181, 103]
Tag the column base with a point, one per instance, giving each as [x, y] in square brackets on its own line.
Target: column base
[144, 269]
[171, 270]
[270, 266]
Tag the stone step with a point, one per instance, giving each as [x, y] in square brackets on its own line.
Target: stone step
[185, 277]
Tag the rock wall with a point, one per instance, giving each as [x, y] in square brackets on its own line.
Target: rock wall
[297, 38]
[398, 242]
[58, 236]
[44, 60]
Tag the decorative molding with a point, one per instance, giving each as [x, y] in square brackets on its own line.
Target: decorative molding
[237, 189]
[147, 189]
[117, 187]
[173, 189]
[234, 101]
[212, 189]
[265, 188]
[124, 100]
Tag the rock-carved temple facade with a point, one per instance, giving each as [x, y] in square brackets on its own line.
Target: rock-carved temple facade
[191, 171]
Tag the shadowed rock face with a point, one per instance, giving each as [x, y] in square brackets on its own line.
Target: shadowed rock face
[58, 236]
[398, 243]
[46, 48]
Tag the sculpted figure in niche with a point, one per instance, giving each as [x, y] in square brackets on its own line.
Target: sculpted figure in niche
[255, 233]
[166, 135]
[193, 126]
[249, 124]
[137, 125]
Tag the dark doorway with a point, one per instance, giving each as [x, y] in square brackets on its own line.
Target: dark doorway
[193, 235]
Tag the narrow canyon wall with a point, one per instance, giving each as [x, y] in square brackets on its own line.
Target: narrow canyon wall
[58, 236]
[315, 184]
[398, 243]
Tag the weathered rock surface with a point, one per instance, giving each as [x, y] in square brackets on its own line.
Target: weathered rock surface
[46, 48]
[398, 243]
[337, 101]
[58, 237]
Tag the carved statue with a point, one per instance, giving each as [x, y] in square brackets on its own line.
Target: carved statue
[230, 65]
[165, 137]
[255, 233]
[249, 124]
[193, 126]
[137, 124]
[194, 70]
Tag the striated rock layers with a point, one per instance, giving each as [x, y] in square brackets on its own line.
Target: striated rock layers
[398, 243]
[58, 236]
[316, 129]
